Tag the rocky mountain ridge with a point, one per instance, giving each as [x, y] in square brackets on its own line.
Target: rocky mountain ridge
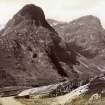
[31, 51]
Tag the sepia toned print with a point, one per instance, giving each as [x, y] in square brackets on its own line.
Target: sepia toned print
[52, 52]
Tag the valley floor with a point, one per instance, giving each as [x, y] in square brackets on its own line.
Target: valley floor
[75, 97]
[51, 101]
[81, 100]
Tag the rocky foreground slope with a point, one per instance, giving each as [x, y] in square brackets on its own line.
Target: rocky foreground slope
[92, 93]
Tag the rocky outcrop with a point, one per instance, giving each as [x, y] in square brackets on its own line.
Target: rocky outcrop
[31, 52]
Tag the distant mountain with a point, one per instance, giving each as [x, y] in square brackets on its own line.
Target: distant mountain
[86, 38]
[85, 33]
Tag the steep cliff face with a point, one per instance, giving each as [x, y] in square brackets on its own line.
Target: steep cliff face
[31, 52]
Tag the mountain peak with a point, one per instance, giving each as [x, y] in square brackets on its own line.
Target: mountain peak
[88, 19]
[32, 12]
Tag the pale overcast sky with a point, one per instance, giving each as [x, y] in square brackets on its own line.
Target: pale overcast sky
[63, 10]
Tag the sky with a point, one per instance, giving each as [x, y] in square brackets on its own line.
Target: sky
[62, 10]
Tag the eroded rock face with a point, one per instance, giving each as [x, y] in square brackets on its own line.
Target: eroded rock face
[31, 52]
